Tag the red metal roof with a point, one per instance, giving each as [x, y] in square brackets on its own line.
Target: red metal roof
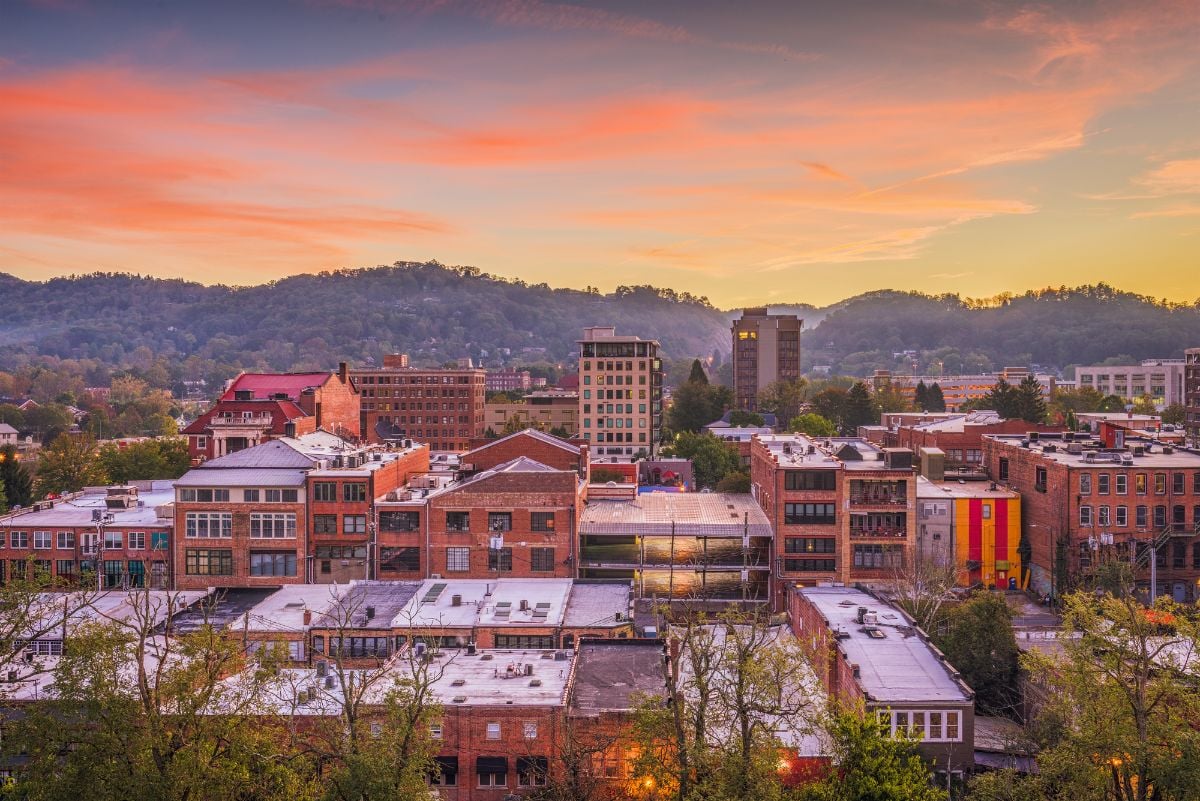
[264, 385]
[281, 412]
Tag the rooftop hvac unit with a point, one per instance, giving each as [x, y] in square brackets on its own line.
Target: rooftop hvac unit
[419, 648]
[392, 496]
[329, 682]
[322, 668]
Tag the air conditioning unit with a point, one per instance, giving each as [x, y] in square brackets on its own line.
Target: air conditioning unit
[435, 576]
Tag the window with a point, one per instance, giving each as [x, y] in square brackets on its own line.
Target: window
[810, 480]
[1085, 515]
[44, 647]
[392, 560]
[1102, 518]
[499, 521]
[986, 509]
[500, 560]
[324, 524]
[1139, 483]
[1196, 555]
[435, 731]
[1003, 469]
[529, 730]
[66, 540]
[458, 560]
[1143, 516]
[1160, 483]
[810, 513]
[1039, 479]
[541, 559]
[532, 770]
[65, 567]
[19, 539]
[1122, 482]
[208, 562]
[445, 768]
[930, 726]
[272, 563]
[878, 557]
[281, 496]
[1196, 483]
[1085, 483]
[204, 495]
[1160, 516]
[375, 647]
[137, 540]
[1122, 516]
[272, 525]
[493, 731]
[43, 540]
[810, 545]
[208, 524]
[113, 540]
[354, 524]
[525, 642]
[541, 521]
[492, 771]
[1103, 483]
[325, 492]
[354, 491]
[251, 496]
[341, 552]
[399, 521]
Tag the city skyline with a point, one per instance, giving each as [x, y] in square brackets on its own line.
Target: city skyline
[746, 156]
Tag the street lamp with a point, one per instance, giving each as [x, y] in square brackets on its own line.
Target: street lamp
[101, 519]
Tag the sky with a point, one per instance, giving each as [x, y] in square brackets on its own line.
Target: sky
[749, 152]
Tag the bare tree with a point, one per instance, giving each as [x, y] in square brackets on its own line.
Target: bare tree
[922, 588]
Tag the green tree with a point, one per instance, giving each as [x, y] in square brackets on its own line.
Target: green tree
[1030, 403]
[738, 483]
[888, 398]
[812, 424]
[514, 424]
[1112, 403]
[860, 409]
[921, 396]
[935, 401]
[18, 485]
[560, 432]
[1123, 692]
[1144, 405]
[831, 403]
[979, 642]
[739, 417]
[784, 399]
[697, 375]
[712, 459]
[3, 498]
[12, 415]
[49, 420]
[70, 464]
[1002, 399]
[695, 405]
[869, 764]
[149, 459]
[1175, 414]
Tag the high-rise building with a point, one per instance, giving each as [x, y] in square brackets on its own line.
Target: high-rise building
[438, 406]
[1191, 394]
[766, 348]
[620, 392]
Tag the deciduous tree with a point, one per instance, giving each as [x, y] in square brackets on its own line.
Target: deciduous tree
[70, 464]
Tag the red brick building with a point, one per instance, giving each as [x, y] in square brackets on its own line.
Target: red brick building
[121, 533]
[1084, 504]
[258, 407]
[961, 437]
[550, 450]
[842, 509]
[441, 407]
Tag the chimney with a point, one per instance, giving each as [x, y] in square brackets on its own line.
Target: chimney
[308, 617]
[289, 429]
[343, 372]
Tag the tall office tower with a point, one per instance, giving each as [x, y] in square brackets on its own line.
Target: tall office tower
[620, 393]
[766, 348]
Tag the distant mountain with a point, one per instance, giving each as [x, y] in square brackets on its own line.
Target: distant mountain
[437, 313]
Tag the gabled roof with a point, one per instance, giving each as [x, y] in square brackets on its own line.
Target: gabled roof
[5, 428]
[264, 385]
[281, 412]
[272, 454]
[521, 464]
[548, 439]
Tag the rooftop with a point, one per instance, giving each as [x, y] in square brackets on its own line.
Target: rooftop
[491, 603]
[959, 423]
[257, 477]
[927, 489]
[685, 514]
[264, 385]
[367, 604]
[613, 675]
[76, 509]
[598, 603]
[895, 662]
[283, 610]
[272, 454]
[801, 450]
[1083, 451]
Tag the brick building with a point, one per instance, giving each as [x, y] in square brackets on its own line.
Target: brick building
[973, 525]
[960, 437]
[1191, 395]
[865, 651]
[551, 409]
[120, 536]
[258, 407]
[959, 389]
[441, 407]
[766, 348]
[842, 509]
[620, 392]
[1084, 504]
[509, 380]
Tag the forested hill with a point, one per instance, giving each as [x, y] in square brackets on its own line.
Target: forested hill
[438, 313]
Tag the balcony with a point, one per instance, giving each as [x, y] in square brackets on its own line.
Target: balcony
[878, 532]
[878, 499]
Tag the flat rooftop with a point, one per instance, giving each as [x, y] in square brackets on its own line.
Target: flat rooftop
[1154, 454]
[491, 603]
[283, 610]
[933, 490]
[368, 604]
[801, 450]
[76, 509]
[687, 514]
[598, 603]
[613, 675]
[899, 666]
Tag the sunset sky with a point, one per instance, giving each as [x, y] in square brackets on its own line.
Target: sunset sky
[750, 152]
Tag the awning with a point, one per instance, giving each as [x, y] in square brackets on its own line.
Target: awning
[534, 764]
[444, 766]
[491, 764]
